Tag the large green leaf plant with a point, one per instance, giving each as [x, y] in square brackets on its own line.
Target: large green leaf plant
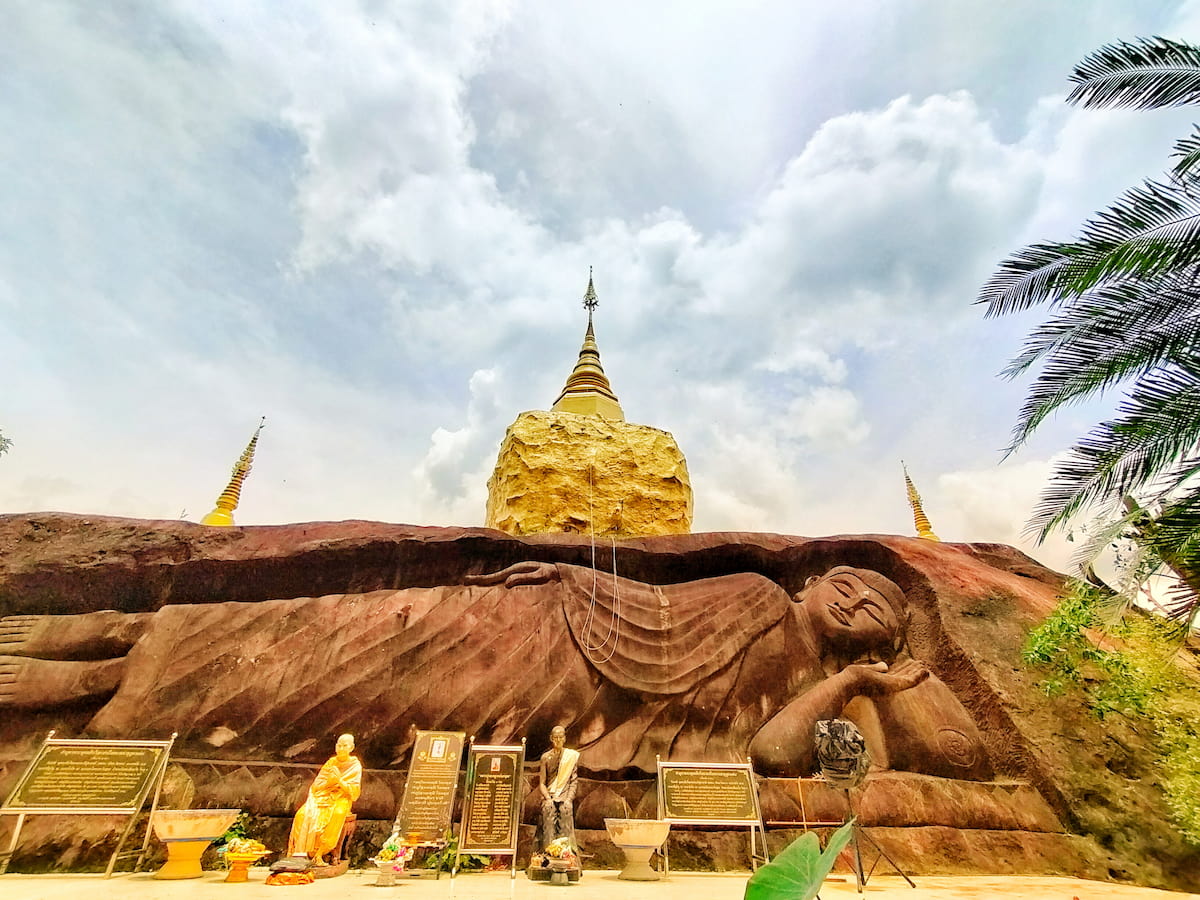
[798, 872]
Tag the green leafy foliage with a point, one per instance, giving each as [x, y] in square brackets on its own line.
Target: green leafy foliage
[5, 443]
[444, 858]
[798, 871]
[1137, 675]
[239, 829]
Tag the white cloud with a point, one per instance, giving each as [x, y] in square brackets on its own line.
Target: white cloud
[453, 474]
[830, 416]
[998, 502]
[333, 213]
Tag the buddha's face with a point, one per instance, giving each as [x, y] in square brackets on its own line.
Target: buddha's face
[345, 746]
[558, 737]
[845, 611]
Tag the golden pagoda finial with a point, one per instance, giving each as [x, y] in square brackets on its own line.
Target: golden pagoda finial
[587, 391]
[589, 298]
[222, 514]
[920, 520]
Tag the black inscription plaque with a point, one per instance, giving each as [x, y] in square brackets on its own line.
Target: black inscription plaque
[432, 782]
[87, 777]
[492, 799]
[700, 794]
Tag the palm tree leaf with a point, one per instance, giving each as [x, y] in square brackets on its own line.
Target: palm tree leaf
[1102, 338]
[1149, 231]
[1150, 444]
[1028, 277]
[1151, 318]
[1174, 537]
[1140, 74]
[1187, 151]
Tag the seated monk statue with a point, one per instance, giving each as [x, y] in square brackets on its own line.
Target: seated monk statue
[557, 775]
[318, 823]
[710, 669]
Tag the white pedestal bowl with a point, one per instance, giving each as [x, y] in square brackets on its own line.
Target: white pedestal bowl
[638, 838]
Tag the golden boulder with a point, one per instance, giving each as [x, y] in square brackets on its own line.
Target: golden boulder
[562, 472]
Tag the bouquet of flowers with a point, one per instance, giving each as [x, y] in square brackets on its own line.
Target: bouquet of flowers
[561, 848]
[240, 845]
[395, 852]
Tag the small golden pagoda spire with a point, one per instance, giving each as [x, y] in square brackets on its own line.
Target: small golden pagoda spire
[222, 514]
[587, 391]
[920, 520]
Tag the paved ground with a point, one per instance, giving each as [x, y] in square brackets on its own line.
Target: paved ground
[595, 885]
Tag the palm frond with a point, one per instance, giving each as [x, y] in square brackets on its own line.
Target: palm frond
[1100, 533]
[1149, 231]
[1153, 444]
[1028, 277]
[1187, 152]
[1141, 74]
[1101, 339]
[1174, 537]
[1149, 318]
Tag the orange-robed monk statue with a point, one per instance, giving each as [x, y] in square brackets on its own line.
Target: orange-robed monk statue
[318, 823]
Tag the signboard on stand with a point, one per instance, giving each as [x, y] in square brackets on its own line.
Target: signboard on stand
[85, 777]
[492, 801]
[428, 804]
[693, 793]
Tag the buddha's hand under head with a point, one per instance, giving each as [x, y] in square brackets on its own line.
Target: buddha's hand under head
[877, 679]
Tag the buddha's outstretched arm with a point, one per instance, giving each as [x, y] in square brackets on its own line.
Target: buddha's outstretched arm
[517, 574]
[785, 744]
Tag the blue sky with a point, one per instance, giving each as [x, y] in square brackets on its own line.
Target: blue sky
[372, 223]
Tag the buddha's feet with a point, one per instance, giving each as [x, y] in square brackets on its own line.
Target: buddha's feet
[32, 683]
[99, 635]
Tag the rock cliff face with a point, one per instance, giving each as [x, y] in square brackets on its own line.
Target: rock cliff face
[259, 644]
[560, 472]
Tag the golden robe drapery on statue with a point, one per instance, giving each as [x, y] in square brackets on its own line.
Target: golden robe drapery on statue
[318, 823]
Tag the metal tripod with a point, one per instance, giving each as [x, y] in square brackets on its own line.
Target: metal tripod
[857, 834]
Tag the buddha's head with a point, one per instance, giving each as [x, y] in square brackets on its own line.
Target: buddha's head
[344, 747]
[854, 613]
[558, 737]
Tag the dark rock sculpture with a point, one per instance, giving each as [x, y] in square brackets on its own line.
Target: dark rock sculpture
[261, 644]
[713, 669]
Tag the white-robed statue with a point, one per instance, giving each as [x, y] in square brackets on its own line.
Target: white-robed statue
[557, 778]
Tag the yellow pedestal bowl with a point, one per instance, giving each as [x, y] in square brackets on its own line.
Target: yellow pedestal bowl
[187, 834]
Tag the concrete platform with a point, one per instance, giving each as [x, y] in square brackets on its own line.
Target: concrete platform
[595, 885]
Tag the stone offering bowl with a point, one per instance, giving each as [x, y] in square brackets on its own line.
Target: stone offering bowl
[388, 870]
[187, 834]
[638, 838]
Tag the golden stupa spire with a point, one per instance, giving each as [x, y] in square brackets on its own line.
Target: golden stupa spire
[920, 520]
[222, 513]
[587, 391]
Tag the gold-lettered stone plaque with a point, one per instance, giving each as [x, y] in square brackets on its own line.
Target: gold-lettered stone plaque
[432, 783]
[700, 794]
[492, 798]
[87, 777]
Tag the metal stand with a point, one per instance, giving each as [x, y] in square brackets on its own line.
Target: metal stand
[124, 800]
[468, 840]
[858, 832]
